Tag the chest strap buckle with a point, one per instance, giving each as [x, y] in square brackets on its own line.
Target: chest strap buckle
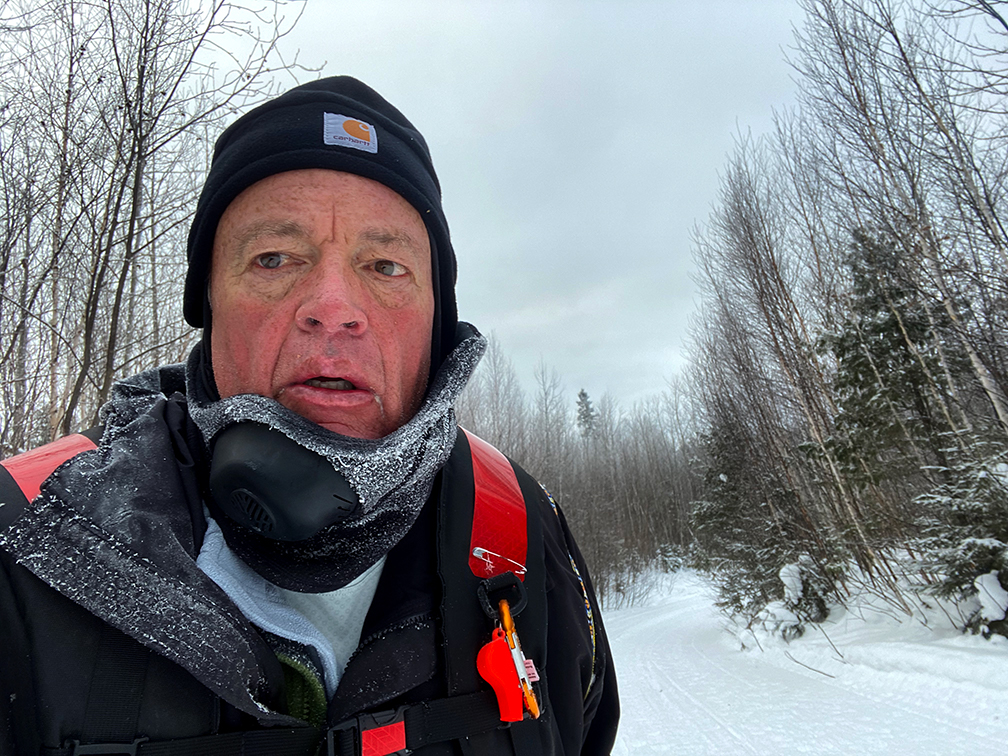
[377, 734]
[390, 733]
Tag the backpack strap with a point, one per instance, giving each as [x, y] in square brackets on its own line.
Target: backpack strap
[273, 742]
[483, 522]
[112, 711]
[113, 703]
[499, 541]
[22, 476]
[378, 734]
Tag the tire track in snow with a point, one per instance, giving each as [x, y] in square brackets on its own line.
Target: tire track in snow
[687, 689]
[677, 721]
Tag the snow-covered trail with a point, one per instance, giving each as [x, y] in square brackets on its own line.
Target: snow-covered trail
[687, 688]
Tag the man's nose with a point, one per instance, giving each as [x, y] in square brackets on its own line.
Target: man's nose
[331, 303]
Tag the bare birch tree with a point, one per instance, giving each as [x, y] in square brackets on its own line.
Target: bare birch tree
[107, 111]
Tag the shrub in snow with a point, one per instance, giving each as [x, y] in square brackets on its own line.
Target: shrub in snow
[970, 560]
[776, 619]
[806, 587]
[993, 597]
[671, 558]
[967, 535]
[803, 601]
[744, 527]
[743, 553]
[739, 553]
[790, 575]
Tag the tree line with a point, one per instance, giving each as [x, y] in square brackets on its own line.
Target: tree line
[622, 478]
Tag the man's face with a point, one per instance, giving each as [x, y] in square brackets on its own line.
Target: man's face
[322, 299]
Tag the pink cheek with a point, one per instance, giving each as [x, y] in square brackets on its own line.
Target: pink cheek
[245, 347]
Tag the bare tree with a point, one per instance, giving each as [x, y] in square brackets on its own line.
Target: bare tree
[107, 108]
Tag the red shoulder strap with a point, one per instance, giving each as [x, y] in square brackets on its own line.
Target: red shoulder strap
[499, 539]
[32, 467]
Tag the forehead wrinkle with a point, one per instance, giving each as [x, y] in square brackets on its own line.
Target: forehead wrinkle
[260, 229]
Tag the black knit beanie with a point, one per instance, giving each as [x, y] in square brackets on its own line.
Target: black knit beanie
[337, 123]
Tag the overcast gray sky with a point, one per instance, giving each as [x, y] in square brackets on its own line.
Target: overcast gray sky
[577, 144]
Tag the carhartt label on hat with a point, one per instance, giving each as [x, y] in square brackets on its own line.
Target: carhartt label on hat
[349, 132]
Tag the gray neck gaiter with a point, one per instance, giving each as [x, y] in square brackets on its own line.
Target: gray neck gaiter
[392, 476]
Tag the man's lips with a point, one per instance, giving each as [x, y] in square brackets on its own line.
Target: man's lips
[325, 391]
[334, 384]
[331, 377]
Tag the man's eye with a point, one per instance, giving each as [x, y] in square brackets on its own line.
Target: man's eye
[270, 260]
[389, 268]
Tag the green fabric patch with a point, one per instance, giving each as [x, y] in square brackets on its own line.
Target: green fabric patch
[306, 697]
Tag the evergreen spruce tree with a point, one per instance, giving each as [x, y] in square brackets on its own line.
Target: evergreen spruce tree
[586, 415]
[965, 529]
[888, 375]
[736, 537]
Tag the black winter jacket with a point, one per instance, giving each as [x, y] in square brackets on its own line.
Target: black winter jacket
[100, 597]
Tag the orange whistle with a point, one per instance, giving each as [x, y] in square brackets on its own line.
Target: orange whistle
[496, 666]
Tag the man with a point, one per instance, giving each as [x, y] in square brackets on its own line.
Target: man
[286, 545]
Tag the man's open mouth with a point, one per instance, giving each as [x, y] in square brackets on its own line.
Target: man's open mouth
[334, 384]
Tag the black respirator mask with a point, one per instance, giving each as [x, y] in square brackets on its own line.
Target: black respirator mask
[265, 481]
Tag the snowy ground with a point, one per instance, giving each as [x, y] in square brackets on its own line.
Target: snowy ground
[890, 686]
